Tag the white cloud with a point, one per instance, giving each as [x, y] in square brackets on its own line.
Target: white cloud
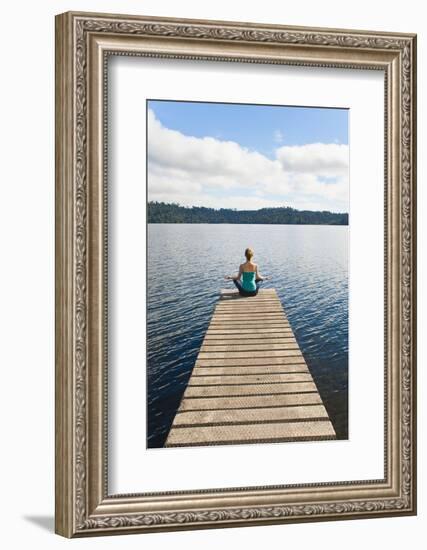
[217, 173]
[322, 159]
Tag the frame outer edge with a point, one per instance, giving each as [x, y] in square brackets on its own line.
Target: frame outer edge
[249, 25]
[415, 247]
[64, 276]
[414, 271]
[72, 513]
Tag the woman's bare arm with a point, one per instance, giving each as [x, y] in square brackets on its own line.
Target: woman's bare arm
[235, 277]
[259, 277]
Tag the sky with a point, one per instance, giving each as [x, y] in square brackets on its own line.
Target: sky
[247, 156]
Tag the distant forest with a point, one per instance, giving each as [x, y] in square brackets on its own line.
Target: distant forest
[161, 212]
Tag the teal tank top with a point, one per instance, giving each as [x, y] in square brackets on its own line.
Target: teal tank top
[248, 282]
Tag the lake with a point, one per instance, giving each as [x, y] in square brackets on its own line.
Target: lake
[186, 268]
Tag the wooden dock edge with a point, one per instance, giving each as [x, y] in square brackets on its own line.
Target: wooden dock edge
[250, 382]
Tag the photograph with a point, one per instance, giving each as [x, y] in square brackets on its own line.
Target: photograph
[247, 273]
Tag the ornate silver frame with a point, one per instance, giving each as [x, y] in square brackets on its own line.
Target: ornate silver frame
[83, 42]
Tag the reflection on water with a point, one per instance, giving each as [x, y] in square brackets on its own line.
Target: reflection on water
[186, 266]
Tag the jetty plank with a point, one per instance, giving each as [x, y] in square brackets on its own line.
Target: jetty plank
[240, 324]
[249, 347]
[248, 354]
[249, 389]
[275, 369]
[219, 341]
[250, 402]
[245, 433]
[255, 308]
[198, 418]
[250, 381]
[242, 361]
[249, 333]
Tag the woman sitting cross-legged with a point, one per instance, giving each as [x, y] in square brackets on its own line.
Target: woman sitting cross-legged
[248, 279]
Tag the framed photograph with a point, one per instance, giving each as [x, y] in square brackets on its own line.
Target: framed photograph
[235, 274]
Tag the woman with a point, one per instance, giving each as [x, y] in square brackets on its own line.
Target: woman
[248, 272]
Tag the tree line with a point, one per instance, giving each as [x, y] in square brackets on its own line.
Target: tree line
[161, 212]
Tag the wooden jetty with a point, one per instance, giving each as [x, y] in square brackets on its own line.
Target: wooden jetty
[250, 382]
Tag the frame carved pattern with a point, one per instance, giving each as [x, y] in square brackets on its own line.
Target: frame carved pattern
[83, 25]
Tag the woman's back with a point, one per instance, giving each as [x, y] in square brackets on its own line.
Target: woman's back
[249, 266]
[249, 270]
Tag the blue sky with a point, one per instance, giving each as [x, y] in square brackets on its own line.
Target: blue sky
[248, 156]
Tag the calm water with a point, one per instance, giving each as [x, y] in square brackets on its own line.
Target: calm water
[186, 266]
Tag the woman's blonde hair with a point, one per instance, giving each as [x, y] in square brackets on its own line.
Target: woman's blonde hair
[249, 253]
